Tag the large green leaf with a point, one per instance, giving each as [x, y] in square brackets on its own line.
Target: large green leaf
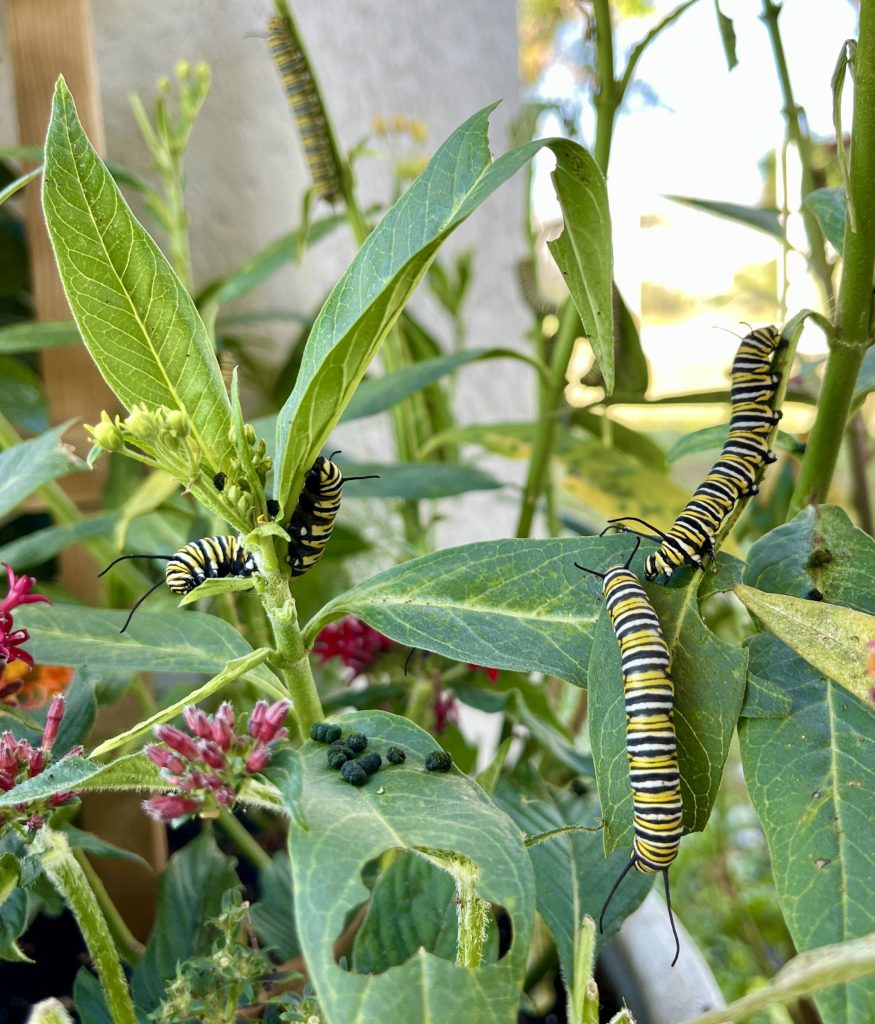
[381, 393]
[41, 545]
[34, 336]
[411, 908]
[139, 323]
[133, 773]
[515, 604]
[31, 464]
[367, 300]
[404, 807]
[415, 481]
[810, 776]
[831, 638]
[709, 678]
[820, 550]
[273, 915]
[713, 438]
[763, 218]
[830, 207]
[22, 397]
[192, 888]
[572, 875]
[155, 641]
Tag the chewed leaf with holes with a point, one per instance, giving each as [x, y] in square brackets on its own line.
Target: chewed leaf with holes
[709, 677]
[139, 323]
[406, 807]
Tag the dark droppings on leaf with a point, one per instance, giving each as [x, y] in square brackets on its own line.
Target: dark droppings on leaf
[273, 507]
[370, 762]
[356, 741]
[438, 761]
[219, 481]
[814, 594]
[323, 732]
[395, 755]
[354, 774]
[339, 755]
[820, 558]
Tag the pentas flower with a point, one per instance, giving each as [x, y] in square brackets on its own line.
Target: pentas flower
[353, 641]
[208, 764]
[11, 639]
[20, 761]
[446, 710]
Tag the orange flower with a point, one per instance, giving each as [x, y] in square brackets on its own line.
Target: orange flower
[29, 688]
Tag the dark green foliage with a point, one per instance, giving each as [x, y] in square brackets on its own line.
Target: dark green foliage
[438, 761]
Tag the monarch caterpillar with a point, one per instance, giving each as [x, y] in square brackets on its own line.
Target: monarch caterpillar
[306, 103]
[312, 521]
[199, 560]
[734, 474]
[651, 744]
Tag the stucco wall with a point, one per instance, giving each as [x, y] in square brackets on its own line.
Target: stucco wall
[439, 61]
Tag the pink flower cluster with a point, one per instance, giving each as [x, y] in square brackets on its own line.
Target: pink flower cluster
[208, 767]
[353, 641]
[20, 761]
[11, 639]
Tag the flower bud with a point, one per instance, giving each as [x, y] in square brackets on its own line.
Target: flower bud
[249, 434]
[165, 759]
[142, 424]
[256, 718]
[211, 755]
[107, 434]
[169, 807]
[198, 722]
[258, 760]
[178, 741]
[36, 762]
[274, 717]
[35, 822]
[178, 423]
[53, 722]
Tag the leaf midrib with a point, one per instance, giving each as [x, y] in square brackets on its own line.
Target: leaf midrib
[170, 387]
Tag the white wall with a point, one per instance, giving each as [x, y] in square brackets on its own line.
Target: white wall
[439, 60]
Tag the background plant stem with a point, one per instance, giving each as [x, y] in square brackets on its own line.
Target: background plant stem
[853, 325]
[129, 948]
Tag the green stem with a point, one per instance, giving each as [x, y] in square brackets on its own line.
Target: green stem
[545, 430]
[130, 949]
[242, 838]
[177, 222]
[605, 98]
[798, 135]
[67, 876]
[291, 657]
[853, 330]
[472, 912]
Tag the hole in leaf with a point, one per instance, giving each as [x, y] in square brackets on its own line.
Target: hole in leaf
[416, 904]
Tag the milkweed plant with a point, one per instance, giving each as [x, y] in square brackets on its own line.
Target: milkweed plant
[347, 855]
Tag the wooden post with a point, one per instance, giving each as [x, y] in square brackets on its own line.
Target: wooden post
[48, 38]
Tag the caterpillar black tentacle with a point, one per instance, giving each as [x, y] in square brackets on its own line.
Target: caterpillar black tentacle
[651, 744]
[199, 560]
[735, 473]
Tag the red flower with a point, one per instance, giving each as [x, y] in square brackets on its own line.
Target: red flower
[491, 673]
[353, 641]
[12, 639]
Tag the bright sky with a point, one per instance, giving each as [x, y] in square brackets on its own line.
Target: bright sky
[694, 128]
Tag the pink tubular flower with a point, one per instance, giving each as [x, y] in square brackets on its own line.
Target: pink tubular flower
[208, 769]
[353, 641]
[446, 709]
[19, 593]
[20, 761]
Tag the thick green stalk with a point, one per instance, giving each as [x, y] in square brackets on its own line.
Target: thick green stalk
[67, 876]
[546, 427]
[291, 657]
[853, 328]
[130, 949]
[799, 137]
[605, 99]
[245, 842]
